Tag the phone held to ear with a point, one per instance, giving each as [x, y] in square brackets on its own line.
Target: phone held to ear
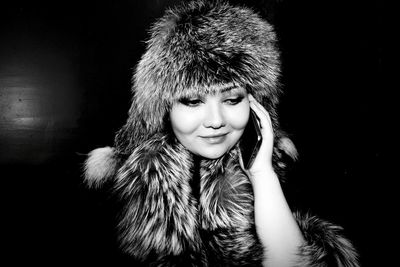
[251, 141]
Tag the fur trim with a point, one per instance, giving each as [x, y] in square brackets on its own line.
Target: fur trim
[197, 48]
[160, 213]
[100, 165]
[227, 214]
[325, 244]
[285, 154]
[286, 145]
[168, 221]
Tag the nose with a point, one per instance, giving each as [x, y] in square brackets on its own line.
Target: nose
[214, 116]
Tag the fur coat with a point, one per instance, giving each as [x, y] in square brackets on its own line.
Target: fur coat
[179, 210]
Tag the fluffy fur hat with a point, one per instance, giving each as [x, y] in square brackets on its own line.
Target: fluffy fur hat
[194, 49]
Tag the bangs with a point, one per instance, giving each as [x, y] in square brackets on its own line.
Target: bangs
[202, 91]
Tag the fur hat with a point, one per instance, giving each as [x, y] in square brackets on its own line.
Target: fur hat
[194, 49]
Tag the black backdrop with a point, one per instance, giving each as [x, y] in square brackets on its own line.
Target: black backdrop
[65, 71]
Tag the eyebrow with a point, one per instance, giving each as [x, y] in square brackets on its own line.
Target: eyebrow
[229, 88]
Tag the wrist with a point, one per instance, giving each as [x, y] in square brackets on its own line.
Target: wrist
[265, 179]
[265, 171]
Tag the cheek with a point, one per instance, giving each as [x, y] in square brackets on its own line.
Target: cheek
[239, 117]
[183, 121]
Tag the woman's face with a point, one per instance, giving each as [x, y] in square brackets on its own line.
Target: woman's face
[210, 125]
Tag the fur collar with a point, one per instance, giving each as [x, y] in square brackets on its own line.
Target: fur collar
[164, 216]
[179, 211]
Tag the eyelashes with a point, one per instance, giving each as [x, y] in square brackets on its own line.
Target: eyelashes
[197, 101]
[235, 100]
[191, 102]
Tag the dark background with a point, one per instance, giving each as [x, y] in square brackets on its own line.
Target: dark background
[65, 71]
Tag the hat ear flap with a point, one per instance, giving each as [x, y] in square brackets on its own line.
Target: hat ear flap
[146, 118]
[286, 146]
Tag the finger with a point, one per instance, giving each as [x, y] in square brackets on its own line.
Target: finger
[261, 107]
[265, 126]
[262, 114]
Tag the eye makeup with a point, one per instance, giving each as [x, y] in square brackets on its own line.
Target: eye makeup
[234, 95]
[234, 100]
[191, 101]
[231, 95]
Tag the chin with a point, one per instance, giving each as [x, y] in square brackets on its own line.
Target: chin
[213, 154]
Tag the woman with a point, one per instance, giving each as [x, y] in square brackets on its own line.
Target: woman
[176, 164]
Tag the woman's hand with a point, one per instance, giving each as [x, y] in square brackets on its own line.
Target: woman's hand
[263, 161]
[275, 225]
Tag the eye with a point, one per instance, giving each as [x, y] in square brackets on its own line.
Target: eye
[234, 100]
[191, 102]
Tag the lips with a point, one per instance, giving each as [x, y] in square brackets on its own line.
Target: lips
[215, 138]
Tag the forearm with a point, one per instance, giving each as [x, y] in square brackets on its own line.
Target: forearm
[276, 227]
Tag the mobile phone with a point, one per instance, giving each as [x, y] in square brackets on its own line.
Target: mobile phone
[250, 141]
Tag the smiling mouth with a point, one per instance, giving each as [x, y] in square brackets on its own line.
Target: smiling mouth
[215, 139]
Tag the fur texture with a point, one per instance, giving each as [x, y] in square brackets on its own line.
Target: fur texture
[179, 210]
[192, 49]
[326, 245]
[100, 165]
[216, 228]
[165, 222]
